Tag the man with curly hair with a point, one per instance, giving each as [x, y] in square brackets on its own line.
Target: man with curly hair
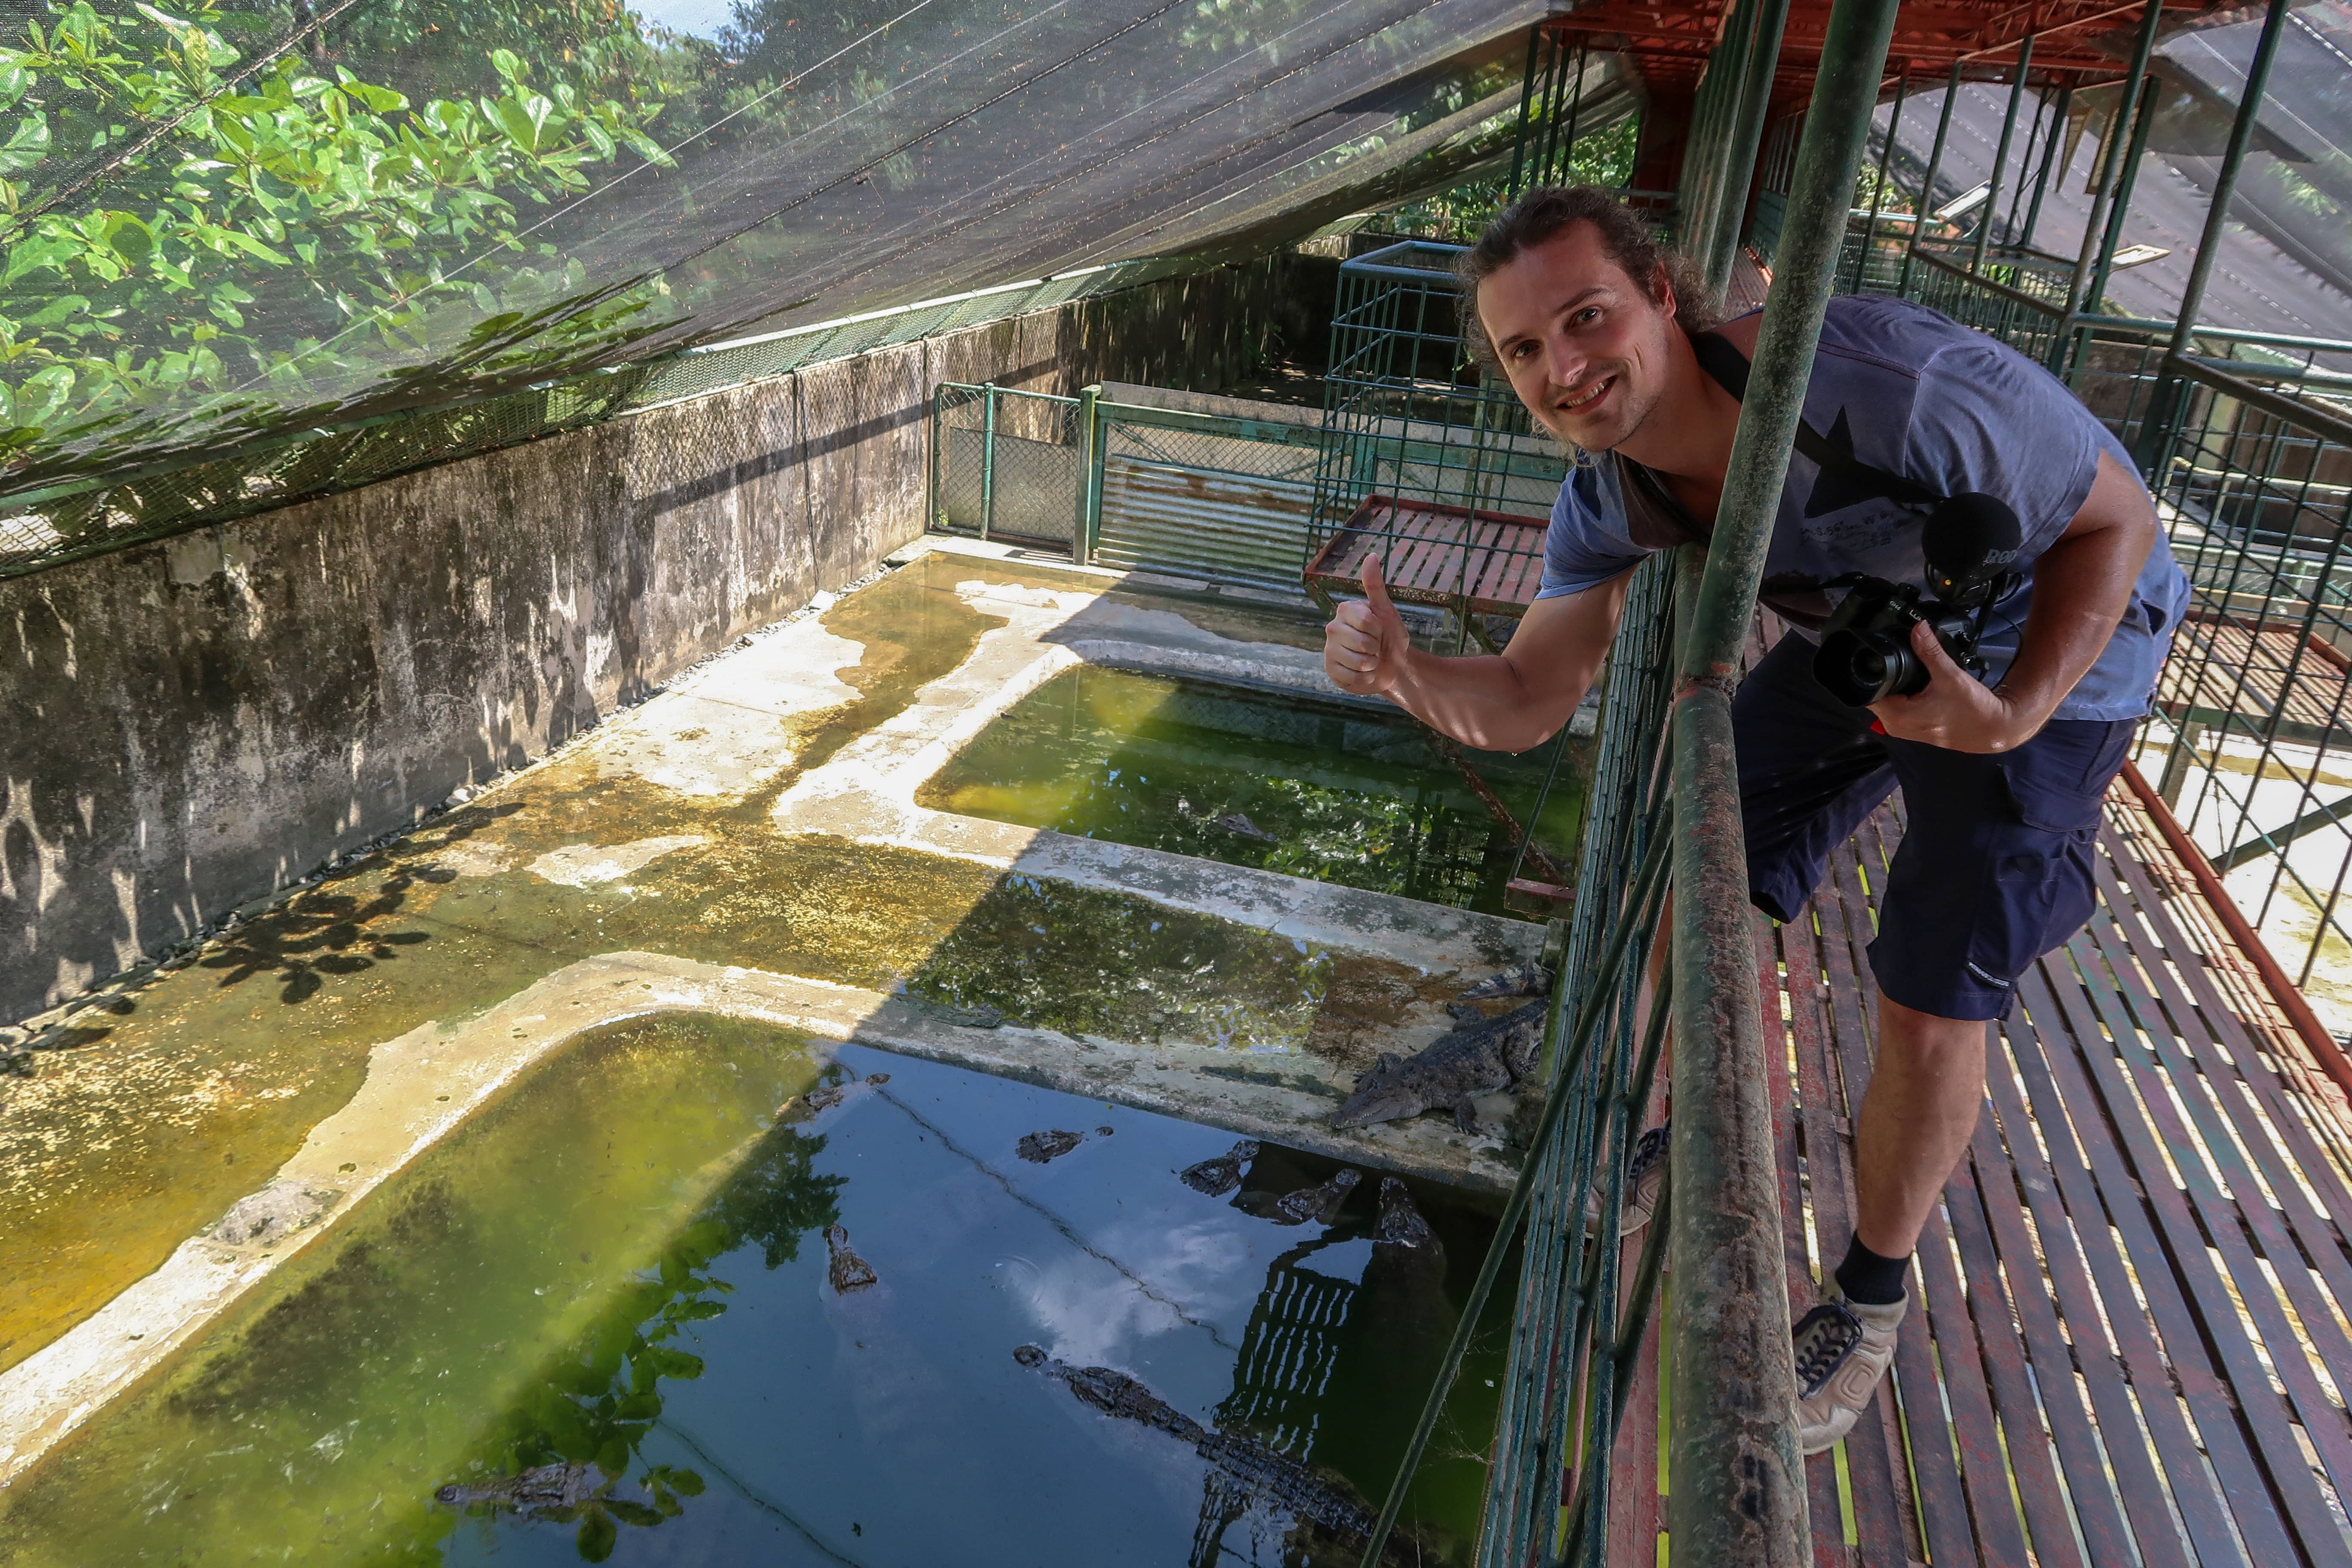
[1608, 339]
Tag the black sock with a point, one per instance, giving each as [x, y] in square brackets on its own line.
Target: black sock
[1873, 1280]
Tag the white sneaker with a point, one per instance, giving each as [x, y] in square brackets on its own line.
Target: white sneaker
[1843, 1349]
[1644, 1174]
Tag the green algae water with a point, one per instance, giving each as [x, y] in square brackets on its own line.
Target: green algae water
[619, 1275]
[1346, 794]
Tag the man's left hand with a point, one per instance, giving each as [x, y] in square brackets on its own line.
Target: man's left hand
[1957, 711]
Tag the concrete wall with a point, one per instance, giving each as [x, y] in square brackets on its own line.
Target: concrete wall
[190, 724]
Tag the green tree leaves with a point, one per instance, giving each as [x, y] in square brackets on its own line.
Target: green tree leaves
[310, 236]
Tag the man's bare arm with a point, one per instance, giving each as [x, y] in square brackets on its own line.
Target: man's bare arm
[2082, 585]
[1504, 702]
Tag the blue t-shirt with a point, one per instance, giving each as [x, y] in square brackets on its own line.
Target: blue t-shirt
[1912, 392]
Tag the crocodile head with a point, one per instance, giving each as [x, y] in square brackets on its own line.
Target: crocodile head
[1386, 1093]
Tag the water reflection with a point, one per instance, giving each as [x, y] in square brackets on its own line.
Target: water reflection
[600, 1324]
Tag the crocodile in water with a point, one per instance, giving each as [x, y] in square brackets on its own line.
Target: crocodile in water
[1320, 1203]
[1453, 1071]
[1265, 1475]
[532, 1493]
[1218, 1176]
[846, 1270]
[1039, 1147]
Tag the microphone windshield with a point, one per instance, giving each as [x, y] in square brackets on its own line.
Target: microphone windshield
[1971, 541]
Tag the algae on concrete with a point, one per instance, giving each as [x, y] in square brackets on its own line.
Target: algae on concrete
[149, 1115]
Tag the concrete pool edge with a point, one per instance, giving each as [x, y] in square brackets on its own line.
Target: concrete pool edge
[424, 1084]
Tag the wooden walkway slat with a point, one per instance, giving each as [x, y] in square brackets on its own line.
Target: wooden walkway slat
[2132, 1332]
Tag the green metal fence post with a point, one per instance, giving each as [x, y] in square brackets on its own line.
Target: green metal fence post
[2049, 153]
[1746, 140]
[1575, 113]
[1527, 102]
[1738, 1491]
[1703, 157]
[987, 458]
[2135, 153]
[1928, 182]
[1878, 187]
[2001, 153]
[933, 509]
[1090, 467]
[2143, 44]
[2165, 404]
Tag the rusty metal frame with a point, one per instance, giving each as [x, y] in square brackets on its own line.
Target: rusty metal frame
[1739, 1488]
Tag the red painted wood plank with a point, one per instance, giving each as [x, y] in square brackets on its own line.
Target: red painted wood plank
[2207, 1391]
[1880, 1531]
[2222, 1118]
[2156, 1127]
[2089, 1223]
[2000, 1339]
[2095, 1491]
[1942, 1503]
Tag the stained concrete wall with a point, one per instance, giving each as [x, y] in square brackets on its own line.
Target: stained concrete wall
[190, 724]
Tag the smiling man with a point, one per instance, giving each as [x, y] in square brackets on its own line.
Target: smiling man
[1606, 338]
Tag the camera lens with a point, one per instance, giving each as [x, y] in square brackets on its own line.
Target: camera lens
[1854, 667]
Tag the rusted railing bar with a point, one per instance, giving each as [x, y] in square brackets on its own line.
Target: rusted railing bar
[1738, 1491]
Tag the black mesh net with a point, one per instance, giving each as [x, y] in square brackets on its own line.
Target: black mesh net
[227, 230]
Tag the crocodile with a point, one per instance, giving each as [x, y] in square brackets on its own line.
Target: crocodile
[1451, 1072]
[1320, 1203]
[1218, 1176]
[1235, 822]
[1039, 1147]
[1258, 1471]
[533, 1493]
[825, 1097]
[847, 1271]
[1401, 1227]
[1518, 980]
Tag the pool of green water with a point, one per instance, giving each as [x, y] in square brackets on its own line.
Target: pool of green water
[623, 1266]
[1349, 795]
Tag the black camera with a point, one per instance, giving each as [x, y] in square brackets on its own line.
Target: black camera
[1866, 652]
[1969, 542]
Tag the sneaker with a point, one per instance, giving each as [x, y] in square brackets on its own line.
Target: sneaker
[1843, 1349]
[1645, 1173]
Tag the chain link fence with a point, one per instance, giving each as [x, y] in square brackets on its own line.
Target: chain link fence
[1006, 463]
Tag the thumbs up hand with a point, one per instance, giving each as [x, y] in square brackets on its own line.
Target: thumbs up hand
[1364, 647]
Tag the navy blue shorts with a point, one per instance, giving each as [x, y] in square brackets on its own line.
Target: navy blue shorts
[1995, 866]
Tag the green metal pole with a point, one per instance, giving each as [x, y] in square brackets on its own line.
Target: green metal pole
[2121, 208]
[1738, 1492]
[987, 458]
[2126, 105]
[1747, 139]
[936, 512]
[2049, 156]
[1575, 112]
[2001, 154]
[2033, 145]
[1091, 467]
[1928, 183]
[2079, 342]
[1527, 102]
[1878, 187]
[2164, 406]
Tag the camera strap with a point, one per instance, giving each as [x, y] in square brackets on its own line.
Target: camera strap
[1729, 369]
